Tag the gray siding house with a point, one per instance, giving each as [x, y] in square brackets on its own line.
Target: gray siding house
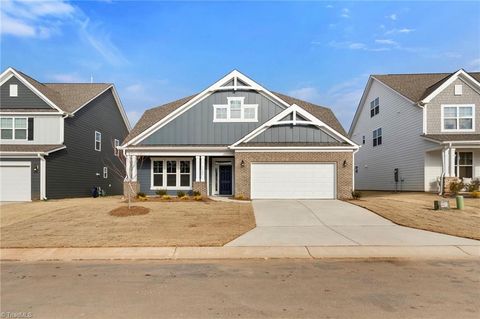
[425, 127]
[58, 139]
[236, 138]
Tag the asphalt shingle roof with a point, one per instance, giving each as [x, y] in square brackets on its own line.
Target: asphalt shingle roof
[453, 137]
[30, 148]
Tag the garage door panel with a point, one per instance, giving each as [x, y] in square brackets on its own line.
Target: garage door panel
[15, 182]
[293, 180]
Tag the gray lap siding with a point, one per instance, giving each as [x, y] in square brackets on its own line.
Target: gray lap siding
[35, 176]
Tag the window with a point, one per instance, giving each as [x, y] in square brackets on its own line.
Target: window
[171, 174]
[116, 143]
[464, 164]
[98, 141]
[105, 172]
[13, 128]
[377, 137]
[363, 139]
[13, 90]
[458, 117]
[374, 107]
[235, 111]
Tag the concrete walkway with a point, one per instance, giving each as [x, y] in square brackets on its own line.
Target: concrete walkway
[332, 223]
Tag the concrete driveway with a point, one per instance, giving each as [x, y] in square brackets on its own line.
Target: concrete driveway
[332, 223]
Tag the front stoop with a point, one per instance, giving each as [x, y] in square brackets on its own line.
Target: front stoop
[200, 187]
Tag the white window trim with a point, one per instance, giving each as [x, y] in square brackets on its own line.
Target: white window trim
[374, 107]
[443, 129]
[95, 144]
[381, 135]
[116, 143]
[164, 173]
[457, 163]
[243, 106]
[13, 128]
[105, 172]
[13, 88]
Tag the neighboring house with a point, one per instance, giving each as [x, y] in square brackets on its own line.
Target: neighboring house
[425, 126]
[57, 139]
[236, 138]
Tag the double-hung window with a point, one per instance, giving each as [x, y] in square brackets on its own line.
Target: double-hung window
[13, 128]
[235, 111]
[116, 143]
[377, 137]
[464, 164]
[105, 172]
[171, 174]
[374, 107]
[98, 141]
[458, 118]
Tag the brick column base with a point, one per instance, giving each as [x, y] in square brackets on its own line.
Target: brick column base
[131, 188]
[200, 187]
[446, 184]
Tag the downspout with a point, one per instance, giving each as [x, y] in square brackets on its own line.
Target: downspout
[353, 168]
[43, 175]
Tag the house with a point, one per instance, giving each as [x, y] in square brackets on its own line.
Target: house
[417, 131]
[58, 139]
[237, 138]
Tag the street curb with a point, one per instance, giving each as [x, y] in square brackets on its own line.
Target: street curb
[199, 253]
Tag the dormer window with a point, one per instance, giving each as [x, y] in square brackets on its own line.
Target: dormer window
[374, 107]
[235, 111]
[13, 90]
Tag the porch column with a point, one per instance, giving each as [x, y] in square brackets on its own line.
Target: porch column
[128, 168]
[202, 170]
[134, 168]
[197, 168]
[445, 160]
[452, 162]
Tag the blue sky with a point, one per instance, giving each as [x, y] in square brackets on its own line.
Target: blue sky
[155, 52]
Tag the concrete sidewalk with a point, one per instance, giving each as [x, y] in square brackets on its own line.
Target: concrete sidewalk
[172, 253]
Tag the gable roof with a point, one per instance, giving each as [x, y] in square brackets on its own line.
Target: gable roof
[152, 116]
[416, 87]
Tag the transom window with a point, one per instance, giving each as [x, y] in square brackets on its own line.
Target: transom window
[377, 137]
[458, 117]
[98, 141]
[235, 111]
[464, 164]
[374, 107]
[13, 128]
[171, 174]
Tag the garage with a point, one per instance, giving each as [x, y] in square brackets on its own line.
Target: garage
[293, 180]
[15, 181]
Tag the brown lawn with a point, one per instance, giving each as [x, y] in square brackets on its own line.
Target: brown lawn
[86, 222]
[416, 210]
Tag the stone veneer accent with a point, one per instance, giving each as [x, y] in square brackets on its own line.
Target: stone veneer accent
[127, 189]
[344, 174]
[200, 187]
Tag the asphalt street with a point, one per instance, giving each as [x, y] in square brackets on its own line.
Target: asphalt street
[242, 289]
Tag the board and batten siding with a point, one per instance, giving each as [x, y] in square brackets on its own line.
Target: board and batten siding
[72, 172]
[35, 176]
[26, 99]
[402, 147]
[196, 125]
[47, 129]
[294, 133]
[447, 96]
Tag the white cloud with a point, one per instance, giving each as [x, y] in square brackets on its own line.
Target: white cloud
[402, 30]
[386, 41]
[306, 93]
[133, 117]
[475, 63]
[67, 78]
[328, 6]
[345, 13]
[357, 46]
[16, 27]
[136, 88]
[392, 16]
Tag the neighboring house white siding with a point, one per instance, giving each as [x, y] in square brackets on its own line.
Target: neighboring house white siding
[47, 129]
[402, 146]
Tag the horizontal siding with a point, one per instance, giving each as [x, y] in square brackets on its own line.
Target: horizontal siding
[26, 99]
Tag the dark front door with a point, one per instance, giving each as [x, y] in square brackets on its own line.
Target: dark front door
[225, 179]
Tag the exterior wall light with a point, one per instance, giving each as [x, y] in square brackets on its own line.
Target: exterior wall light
[242, 163]
[344, 163]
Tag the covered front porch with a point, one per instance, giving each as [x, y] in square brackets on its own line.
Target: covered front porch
[209, 172]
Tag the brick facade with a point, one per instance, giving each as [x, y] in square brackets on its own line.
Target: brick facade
[344, 174]
[200, 187]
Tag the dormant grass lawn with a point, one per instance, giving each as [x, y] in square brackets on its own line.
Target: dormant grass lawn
[86, 222]
[416, 210]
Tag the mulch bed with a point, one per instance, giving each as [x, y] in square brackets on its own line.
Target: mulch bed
[173, 199]
[124, 211]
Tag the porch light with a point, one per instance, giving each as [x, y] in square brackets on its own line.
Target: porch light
[242, 163]
[344, 163]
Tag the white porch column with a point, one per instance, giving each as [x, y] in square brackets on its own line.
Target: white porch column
[134, 168]
[452, 162]
[445, 160]
[128, 168]
[197, 168]
[202, 170]
[208, 175]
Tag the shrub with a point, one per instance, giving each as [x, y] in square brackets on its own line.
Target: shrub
[166, 197]
[181, 194]
[474, 185]
[239, 197]
[186, 197]
[456, 187]
[196, 193]
[198, 197]
[476, 194]
[356, 195]
[161, 192]
[140, 194]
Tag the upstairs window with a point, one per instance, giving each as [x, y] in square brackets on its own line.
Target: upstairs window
[98, 141]
[235, 111]
[13, 90]
[374, 107]
[13, 128]
[116, 143]
[458, 117]
[377, 137]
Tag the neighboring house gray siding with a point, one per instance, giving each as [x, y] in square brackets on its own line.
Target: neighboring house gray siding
[447, 96]
[196, 126]
[35, 176]
[402, 147]
[72, 172]
[294, 133]
[26, 99]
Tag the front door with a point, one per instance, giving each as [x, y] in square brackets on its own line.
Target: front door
[225, 179]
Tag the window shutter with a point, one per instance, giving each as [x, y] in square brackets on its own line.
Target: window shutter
[30, 128]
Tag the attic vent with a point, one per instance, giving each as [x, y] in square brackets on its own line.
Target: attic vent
[13, 90]
[458, 89]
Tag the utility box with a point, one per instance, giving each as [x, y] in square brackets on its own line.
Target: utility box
[441, 204]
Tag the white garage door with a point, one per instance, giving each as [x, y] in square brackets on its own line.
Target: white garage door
[293, 180]
[15, 183]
